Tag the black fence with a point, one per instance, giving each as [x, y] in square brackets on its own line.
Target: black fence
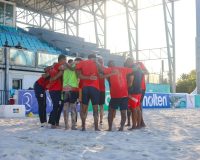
[4, 97]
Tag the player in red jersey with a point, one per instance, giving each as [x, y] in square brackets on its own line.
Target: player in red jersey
[55, 88]
[39, 89]
[102, 91]
[88, 72]
[143, 87]
[118, 92]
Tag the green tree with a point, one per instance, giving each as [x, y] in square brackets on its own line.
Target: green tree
[186, 83]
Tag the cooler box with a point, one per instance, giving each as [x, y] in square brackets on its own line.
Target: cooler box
[12, 111]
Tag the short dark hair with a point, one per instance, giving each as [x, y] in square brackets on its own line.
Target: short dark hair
[90, 56]
[129, 61]
[78, 59]
[110, 62]
[70, 61]
[61, 56]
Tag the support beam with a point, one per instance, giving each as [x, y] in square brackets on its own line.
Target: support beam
[168, 9]
[131, 7]
[198, 45]
[72, 20]
[99, 13]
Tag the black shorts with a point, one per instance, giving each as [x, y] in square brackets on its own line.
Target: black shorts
[102, 98]
[90, 93]
[71, 96]
[119, 102]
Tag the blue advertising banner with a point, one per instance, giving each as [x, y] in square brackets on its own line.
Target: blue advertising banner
[156, 100]
[151, 100]
[178, 100]
[27, 98]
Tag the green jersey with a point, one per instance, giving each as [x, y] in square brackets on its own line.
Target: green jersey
[70, 78]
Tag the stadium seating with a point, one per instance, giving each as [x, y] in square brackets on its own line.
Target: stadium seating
[37, 39]
[28, 41]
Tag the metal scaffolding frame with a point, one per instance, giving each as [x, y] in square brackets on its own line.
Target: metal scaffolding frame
[132, 26]
[198, 45]
[99, 13]
[168, 9]
[63, 16]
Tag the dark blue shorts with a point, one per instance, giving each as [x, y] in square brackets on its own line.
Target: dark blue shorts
[122, 103]
[102, 98]
[90, 93]
[71, 96]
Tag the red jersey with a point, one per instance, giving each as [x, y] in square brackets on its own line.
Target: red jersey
[102, 84]
[43, 82]
[118, 82]
[57, 84]
[143, 84]
[80, 85]
[88, 68]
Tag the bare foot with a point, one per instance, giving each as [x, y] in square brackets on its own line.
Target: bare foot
[132, 128]
[74, 128]
[53, 126]
[97, 129]
[143, 125]
[120, 129]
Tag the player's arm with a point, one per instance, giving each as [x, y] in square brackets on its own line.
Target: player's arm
[108, 72]
[66, 66]
[130, 80]
[99, 67]
[58, 75]
[45, 75]
[145, 71]
[81, 76]
[114, 72]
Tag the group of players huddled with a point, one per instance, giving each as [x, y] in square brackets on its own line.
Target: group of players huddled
[81, 81]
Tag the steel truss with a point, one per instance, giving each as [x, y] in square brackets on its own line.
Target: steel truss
[132, 26]
[168, 9]
[63, 16]
[198, 45]
[99, 13]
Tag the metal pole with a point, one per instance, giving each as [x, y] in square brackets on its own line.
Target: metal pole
[136, 47]
[6, 76]
[168, 45]
[105, 25]
[198, 45]
[174, 52]
[128, 25]
[95, 22]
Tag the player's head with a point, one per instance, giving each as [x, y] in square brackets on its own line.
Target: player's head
[141, 66]
[129, 62]
[111, 63]
[61, 58]
[70, 61]
[78, 59]
[100, 59]
[92, 56]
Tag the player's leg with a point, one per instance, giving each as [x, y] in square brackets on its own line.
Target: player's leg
[84, 107]
[94, 96]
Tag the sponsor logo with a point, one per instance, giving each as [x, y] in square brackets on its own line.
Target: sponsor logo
[27, 100]
[15, 110]
[156, 100]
